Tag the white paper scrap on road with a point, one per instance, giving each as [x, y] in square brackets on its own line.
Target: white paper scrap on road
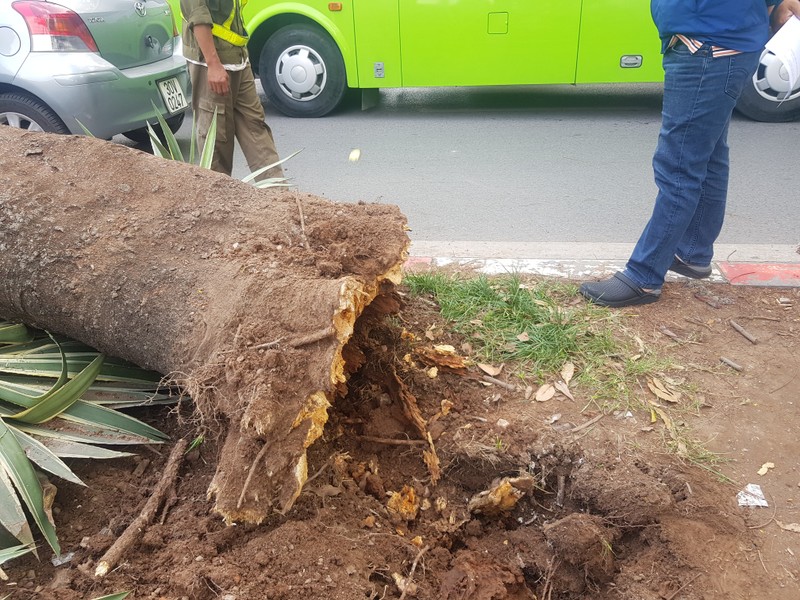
[785, 44]
[751, 495]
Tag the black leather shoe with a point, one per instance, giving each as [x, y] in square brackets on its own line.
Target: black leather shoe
[687, 270]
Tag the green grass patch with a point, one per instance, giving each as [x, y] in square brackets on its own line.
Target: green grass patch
[535, 327]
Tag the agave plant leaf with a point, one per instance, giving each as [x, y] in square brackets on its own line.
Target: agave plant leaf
[12, 517]
[172, 143]
[81, 411]
[158, 148]
[49, 365]
[134, 393]
[21, 473]
[193, 138]
[58, 399]
[44, 457]
[207, 155]
[14, 333]
[62, 429]
[69, 449]
[85, 129]
[13, 552]
[255, 174]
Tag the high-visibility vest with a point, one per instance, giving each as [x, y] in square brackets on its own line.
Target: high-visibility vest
[224, 32]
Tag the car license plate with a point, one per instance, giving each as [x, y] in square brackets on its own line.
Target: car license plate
[173, 96]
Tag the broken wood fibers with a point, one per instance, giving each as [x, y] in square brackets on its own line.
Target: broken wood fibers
[196, 275]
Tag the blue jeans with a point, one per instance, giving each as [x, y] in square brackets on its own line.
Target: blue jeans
[691, 161]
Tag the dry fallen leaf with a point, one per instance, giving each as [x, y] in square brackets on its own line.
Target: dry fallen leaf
[524, 337]
[765, 468]
[662, 391]
[564, 389]
[567, 371]
[490, 370]
[544, 393]
[795, 527]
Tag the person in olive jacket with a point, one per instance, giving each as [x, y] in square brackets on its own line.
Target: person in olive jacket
[711, 49]
[215, 46]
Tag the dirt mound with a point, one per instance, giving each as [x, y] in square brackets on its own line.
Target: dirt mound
[600, 512]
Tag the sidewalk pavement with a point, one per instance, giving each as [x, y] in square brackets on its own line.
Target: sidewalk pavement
[737, 264]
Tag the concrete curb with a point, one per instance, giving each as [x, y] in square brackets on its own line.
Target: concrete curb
[758, 265]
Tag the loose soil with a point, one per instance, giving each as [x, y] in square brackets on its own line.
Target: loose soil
[616, 509]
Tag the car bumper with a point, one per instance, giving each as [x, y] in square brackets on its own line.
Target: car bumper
[106, 100]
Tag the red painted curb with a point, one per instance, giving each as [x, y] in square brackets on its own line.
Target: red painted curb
[767, 275]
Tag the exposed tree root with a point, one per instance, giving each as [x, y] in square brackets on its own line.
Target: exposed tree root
[133, 532]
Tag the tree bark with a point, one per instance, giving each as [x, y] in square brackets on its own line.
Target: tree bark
[245, 297]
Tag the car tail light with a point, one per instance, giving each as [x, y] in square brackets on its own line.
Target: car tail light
[54, 28]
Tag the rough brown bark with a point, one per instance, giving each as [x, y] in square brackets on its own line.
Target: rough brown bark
[244, 296]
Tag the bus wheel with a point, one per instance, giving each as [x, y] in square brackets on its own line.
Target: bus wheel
[302, 71]
[769, 97]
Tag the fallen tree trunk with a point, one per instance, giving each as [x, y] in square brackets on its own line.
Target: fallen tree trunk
[246, 297]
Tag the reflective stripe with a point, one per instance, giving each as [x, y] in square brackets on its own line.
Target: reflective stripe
[229, 36]
[224, 31]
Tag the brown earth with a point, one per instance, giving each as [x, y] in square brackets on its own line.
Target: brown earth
[618, 509]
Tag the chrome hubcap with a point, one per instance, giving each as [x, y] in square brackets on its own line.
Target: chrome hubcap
[771, 79]
[19, 121]
[301, 73]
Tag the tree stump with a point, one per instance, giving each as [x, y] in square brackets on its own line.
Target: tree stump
[245, 297]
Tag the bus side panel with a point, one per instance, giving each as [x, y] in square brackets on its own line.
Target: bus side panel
[616, 33]
[377, 43]
[488, 42]
[338, 24]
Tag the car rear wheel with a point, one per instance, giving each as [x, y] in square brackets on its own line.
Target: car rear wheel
[26, 112]
[302, 71]
[769, 98]
[140, 136]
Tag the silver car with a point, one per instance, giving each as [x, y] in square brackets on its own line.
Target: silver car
[103, 63]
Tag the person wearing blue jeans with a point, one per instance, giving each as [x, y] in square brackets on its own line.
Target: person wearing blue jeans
[711, 50]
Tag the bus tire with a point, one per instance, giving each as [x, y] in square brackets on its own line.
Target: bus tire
[302, 71]
[761, 98]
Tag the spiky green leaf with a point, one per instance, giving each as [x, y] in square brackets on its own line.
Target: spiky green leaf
[59, 399]
[44, 457]
[255, 174]
[207, 155]
[172, 143]
[68, 449]
[19, 470]
[14, 333]
[13, 552]
[12, 517]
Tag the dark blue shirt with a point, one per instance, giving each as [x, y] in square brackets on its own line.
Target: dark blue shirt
[735, 24]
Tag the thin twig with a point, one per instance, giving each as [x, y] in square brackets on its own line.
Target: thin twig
[271, 344]
[731, 364]
[411, 572]
[247, 481]
[502, 384]
[392, 441]
[302, 222]
[311, 338]
[134, 531]
[669, 333]
[698, 322]
[676, 592]
[760, 318]
[751, 338]
[588, 423]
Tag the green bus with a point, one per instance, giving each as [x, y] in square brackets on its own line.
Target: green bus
[307, 53]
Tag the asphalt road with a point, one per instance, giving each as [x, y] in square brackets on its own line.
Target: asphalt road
[535, 165]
